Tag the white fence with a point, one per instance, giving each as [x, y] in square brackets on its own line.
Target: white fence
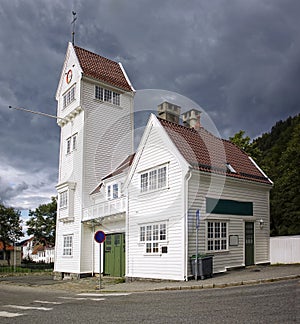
[285, 249]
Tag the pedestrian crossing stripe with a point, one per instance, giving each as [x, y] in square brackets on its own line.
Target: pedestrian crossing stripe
[47, 302]
[8, 314]
[100, 295]
[29, 307]
[82, 298]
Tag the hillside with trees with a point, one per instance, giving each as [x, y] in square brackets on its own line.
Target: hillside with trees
[278, 154]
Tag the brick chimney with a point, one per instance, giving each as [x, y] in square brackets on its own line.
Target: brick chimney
[191, 119]
[169, 112]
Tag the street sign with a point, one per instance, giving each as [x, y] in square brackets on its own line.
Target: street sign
[99, 236]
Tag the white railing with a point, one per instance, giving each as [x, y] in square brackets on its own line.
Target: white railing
[106, 208]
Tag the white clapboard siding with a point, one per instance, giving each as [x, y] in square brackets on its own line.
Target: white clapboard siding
[200, 187]
[159, 206]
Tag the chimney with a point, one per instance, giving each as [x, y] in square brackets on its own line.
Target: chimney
[191, 119]
[169, 112]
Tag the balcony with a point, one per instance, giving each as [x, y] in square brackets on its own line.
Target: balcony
[104, 209]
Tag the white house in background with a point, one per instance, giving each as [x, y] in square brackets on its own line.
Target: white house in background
[146, 202]
[37, 252]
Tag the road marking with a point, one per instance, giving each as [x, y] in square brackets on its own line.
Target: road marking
[78, 298]
[106, 295]
[47, 302]
[7, 314]
[29, 307]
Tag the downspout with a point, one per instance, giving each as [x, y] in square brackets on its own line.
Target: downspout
[93, 249]
[187, 178]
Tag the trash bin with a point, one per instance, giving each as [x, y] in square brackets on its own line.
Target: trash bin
[205, 266]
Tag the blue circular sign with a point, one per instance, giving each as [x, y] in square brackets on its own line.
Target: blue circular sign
[99, 236]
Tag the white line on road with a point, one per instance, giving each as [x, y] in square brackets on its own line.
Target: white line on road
[7, 314]
[28, 307]
[82, 298]
[47, 302]
[106, 295]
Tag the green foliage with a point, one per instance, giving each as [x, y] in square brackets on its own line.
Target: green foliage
[42, 222]
[10, 226]
[244, 143]
[278, 154]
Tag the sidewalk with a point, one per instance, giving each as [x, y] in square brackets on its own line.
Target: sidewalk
[247, 276]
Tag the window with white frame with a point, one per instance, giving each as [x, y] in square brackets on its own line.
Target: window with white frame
[153, 179]
[68, 245]
[69, 97]
[113, 191]
[153, 235]
[63, 199]
[107, 95]
[71, 143]
[217, 236]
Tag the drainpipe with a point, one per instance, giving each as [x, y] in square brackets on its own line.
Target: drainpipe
[187, 178]
[93, 249]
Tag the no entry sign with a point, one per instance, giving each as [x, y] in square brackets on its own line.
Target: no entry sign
[99, 236]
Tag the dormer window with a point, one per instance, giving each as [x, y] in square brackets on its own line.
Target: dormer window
[230, 168]
[69, 97]
[112, 191]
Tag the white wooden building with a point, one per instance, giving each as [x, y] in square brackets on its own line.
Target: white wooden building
[146, 202]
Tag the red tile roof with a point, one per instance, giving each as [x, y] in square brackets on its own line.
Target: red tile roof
[101, 68]
[121, 168]
[206, 152]
[8, 247]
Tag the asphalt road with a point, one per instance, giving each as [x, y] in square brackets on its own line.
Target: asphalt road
[265, 303]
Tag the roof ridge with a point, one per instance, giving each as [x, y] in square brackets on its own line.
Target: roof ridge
[93, 53]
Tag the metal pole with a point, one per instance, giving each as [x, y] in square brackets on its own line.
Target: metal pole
[100, 266]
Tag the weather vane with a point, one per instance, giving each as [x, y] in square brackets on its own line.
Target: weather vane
[73, 23]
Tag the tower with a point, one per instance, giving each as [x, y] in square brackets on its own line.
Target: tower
[95, 106]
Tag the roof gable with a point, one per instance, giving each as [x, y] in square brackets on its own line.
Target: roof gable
[103, 69]
[208, 153]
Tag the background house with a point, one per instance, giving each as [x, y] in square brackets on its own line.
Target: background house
[11, 255]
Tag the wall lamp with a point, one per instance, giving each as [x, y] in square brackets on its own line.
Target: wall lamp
[261, 223]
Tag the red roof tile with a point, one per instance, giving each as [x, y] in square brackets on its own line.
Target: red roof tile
[206, 152]
[101, 68]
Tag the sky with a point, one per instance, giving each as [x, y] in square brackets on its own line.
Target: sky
[238, 61]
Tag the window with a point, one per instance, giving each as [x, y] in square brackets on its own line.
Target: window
[153, 235]
[63, 199]
[68, 245]
[107, 95]
[69, 97]
[216, 236]
[154, 179]
[71, 143]
[113, 191]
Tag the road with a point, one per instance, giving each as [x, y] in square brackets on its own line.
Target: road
[269, 303]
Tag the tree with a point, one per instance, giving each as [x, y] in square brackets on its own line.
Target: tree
[42, 222]
[244, 143]
[10, 227]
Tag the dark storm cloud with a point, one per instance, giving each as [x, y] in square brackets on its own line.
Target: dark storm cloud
[238, 60]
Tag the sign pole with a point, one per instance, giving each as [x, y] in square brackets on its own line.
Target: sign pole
[100, 238]
[197, 232]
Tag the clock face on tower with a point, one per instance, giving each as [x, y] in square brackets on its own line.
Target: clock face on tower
[69, 76]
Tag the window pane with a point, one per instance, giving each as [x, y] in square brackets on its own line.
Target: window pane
[68, 145]
[144, 182]
[142, 233]
[217, 230]
[74, 142]
[155, 247]
[116, 99]
[162, 179]
[152, 180]
[155, 232]
[148, 247]
[163, 232]
[107, 95]
[149, 233]
[99, 93]
[115, 191]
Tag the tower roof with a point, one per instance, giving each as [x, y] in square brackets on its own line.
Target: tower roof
[103, 69]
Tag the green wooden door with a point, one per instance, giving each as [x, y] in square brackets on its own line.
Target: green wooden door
[114, 259]
[249, 243]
